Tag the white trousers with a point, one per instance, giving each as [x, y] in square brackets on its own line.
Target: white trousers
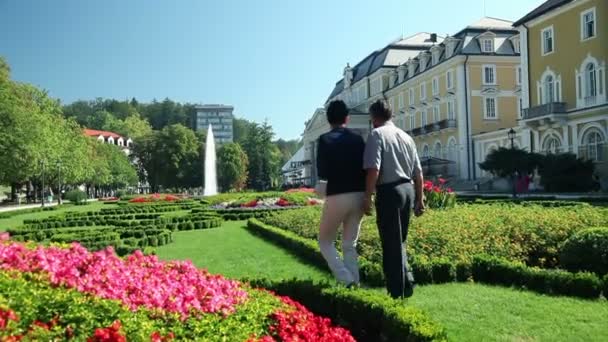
[346, 210]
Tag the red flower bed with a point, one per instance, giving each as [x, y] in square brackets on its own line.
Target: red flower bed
[303, 189]
[283, 202]
[154, 198]
[250, 204]
[109, 199]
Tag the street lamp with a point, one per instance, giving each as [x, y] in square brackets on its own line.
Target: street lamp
[59, 182]
[42, 192]
[511, 134]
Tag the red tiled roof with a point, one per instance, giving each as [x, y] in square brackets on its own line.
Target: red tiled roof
[105, 134]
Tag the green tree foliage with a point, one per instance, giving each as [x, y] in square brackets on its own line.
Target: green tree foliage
[504, 162]
[264, 157]
[232, 166]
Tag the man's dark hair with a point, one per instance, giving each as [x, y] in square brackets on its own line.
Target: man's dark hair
[381, 110]
[337, 112]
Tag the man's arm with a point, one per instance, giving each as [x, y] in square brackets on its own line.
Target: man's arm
[418, 187]
[372, 160]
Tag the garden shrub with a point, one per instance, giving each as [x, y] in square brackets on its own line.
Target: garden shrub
[605, 286]
[586, 250]
[76, 196]
[369, 315]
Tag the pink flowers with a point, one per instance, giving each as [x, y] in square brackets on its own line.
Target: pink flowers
[154, 198]
[137, 281]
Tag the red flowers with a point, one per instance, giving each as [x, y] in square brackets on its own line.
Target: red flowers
[157, 337]
[109, 334]
[154, 198]
[302, 325]
[438, 196]
[250, 204]
[6, 316]
[283, 203]
[302, 189]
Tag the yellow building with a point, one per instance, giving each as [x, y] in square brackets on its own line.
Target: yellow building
[467, 85]
[564, 53]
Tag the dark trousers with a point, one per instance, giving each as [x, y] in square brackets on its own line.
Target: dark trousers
[393, 208]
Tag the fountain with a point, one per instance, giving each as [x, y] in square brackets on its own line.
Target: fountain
[210, 167]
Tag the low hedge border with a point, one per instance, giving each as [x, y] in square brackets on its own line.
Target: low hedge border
[484, 269]
[308, 250]
[368, 315]
[12, 213]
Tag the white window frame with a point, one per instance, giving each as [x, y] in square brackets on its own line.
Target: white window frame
[449, 79]
[520, 105]
[542, 40]
[483, 42]
[436, 114]
[435, 85]
[412, 121]
[424, 118]
[517, 45]
[401, 100]
[518, 75]
[451, 115]
[485, 108]
[412, 96]
[392, 104]
[483, 74]
[422, 91]
[584, 26]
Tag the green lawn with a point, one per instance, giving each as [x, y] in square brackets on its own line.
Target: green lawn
[470, 312]
[235, 253]
[18, 219]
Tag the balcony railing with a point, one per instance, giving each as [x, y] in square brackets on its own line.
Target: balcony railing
[545, 109]
[433, 127]
[590, 101]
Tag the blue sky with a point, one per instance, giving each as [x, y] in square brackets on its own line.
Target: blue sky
[274, 59]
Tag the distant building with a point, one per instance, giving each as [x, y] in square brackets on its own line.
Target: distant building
[220, 117]
[106, 137]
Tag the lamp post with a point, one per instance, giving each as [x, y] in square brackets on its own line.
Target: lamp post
[59, 182]
[42, 192]
[512, 135]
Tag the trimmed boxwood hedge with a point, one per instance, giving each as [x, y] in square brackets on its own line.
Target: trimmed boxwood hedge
[367, 314]
[586, 250]
[485, 269]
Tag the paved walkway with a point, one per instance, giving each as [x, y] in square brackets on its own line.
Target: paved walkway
[24, 206]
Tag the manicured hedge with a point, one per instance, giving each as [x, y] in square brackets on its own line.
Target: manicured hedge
[492, 270]
[586, 250]
[12, 213]
[486, 269]
[368, 315]
[531, 234]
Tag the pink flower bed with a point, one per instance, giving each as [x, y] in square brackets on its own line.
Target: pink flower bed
[137, 281]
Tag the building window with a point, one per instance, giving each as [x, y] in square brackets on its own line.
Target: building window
[449, 79]
[519, 107]
[490, 108]
[437, 150]
[552, 144]
[451, 112]
[412, 121]
[435, 86]
[423, 114]
[549, 90]
[489, 74]
[547, 40]
[588, 24]
[422, 91]
[401, 100]
[487, 45]
[392, 104]
[594, 145]
[425, 151]
[518, 75]
[411, 95]
[591, 81]
[436, 114]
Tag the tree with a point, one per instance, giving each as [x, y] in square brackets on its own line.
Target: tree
[232, 166]
[504, 162]
[263, 156]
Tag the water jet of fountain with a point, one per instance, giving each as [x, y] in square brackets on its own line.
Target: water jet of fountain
[210, 166]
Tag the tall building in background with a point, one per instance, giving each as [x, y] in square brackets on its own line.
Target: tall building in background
[220, 117]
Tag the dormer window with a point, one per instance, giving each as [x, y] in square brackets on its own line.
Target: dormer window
[424, 58]
[487, 45]
[450, 46]
[436, 54]
[516, 46]
[401, 70]
[411, 65]
[392, 78]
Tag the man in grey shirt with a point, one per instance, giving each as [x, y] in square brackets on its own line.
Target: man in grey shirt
[392, 163]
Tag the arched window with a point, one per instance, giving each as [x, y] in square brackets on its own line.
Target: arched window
[549, 89]
[452, 155]
[425, 151]
[594, 142]
[552, 144]
[590, 78]
[437, 150]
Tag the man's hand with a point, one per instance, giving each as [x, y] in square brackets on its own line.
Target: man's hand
[367, 205]
[419, 208]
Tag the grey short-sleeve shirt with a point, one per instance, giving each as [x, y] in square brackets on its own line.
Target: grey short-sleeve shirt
[393, 152]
